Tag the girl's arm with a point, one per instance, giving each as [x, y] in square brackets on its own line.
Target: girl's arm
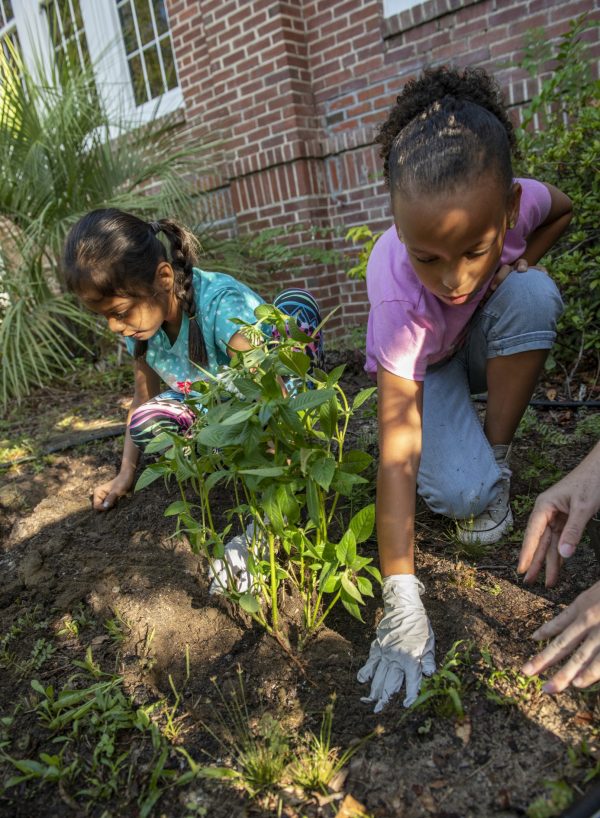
[400, 404]
[555, 224]
[147, 385]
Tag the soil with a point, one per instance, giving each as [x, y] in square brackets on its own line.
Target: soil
[60, 559]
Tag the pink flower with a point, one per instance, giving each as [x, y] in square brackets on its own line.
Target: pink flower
[184, 386]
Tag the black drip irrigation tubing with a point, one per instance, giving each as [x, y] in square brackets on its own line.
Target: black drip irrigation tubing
[553, 404]
[77, 439]
[115, 431]
[586, 807]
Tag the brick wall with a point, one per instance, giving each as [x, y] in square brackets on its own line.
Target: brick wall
[294, 91]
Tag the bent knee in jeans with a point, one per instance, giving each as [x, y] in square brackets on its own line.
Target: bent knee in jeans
[458, 498]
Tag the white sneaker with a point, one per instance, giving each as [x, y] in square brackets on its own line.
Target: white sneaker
[493, 523]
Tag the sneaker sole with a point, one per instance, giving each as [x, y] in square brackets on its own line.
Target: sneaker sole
[487, 537]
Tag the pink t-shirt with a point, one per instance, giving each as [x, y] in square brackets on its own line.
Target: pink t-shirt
[409, 327]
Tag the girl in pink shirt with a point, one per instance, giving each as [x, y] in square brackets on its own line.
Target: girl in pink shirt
[457, 307]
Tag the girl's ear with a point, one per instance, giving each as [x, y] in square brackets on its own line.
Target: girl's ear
[514, 204]
[164, 277]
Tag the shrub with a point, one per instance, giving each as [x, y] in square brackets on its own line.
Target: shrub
[564, 151]
[285, 461]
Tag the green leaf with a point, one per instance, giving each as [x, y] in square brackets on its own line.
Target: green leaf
[363, 522]
[352, 608]
[355, 461]
[322, 471]
[265, 471]
[218, 436]
[160, 442]
[249, 603]
[149, 475]
[178, 507]
[312, 501]
[345, 483]
[296, 362]
[345, 550]
[350, 588]
[328, 415]
[363, 396]
[335, 374]
[309, 400]
[365, 586]
[240, 416]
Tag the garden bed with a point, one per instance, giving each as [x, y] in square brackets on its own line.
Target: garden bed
[122, 589]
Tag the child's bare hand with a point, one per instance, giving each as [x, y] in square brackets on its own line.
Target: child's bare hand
[106, 495]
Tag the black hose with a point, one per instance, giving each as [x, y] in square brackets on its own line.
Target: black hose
[586, 807]
[553, 404]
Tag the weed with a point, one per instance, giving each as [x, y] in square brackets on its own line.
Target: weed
[443, 691]
[506, 686]
[316, 762]
[559, 796]
[95, 728]
[118, 627]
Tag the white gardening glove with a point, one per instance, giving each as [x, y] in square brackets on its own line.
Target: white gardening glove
[236, 557]
[404, 647]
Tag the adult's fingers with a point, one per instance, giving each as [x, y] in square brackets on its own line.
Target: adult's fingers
[535, 560]
[564, 644]
[378, 682]
[572, 531]
[539, 521]
[576, 664]
[590, 673]
[553, 561]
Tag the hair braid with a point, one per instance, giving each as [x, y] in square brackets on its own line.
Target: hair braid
[441, 114]
[184, 247]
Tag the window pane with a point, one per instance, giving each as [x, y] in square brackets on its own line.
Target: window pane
[144, 20]
[154, 73]
[128, 27]
[137, 78]
[148, 46]
[168, 63]
[67, 33]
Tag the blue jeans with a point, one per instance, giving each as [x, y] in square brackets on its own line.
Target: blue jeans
[458, 475]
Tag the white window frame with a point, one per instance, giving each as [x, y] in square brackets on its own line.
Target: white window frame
[107, 53]
[392, 7]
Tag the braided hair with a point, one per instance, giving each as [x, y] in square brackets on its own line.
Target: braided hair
[447, 128]
[111, 253]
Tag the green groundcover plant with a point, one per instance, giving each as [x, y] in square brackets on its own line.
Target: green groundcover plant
[284, 460]
[563, 149]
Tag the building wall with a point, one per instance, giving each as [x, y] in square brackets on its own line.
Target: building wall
[294, 92]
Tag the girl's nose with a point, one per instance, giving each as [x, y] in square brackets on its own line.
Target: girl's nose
[115, 325]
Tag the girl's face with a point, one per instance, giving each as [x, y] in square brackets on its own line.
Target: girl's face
[454, 241]
[138, 318]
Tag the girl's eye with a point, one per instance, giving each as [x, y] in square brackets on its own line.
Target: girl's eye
[426, 260]
[476, 255]
[120, 316]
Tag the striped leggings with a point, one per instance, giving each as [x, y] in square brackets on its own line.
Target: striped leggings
[168, 411]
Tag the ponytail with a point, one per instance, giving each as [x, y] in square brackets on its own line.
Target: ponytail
[445, 128]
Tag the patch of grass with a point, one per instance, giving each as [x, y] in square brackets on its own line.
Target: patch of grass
[316, 762]
[559, 795]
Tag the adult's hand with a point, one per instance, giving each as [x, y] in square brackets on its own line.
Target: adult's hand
[404, 647]
[576, 633]
[559, 518]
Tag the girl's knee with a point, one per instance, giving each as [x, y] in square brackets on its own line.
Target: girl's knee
[532, 294]
[459, 500]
